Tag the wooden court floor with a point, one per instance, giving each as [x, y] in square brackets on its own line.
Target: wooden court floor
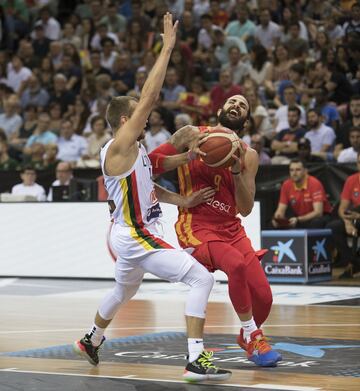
[39, 321]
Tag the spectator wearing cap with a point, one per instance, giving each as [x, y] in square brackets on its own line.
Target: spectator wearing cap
[242, 27]
[223, 44]
[349, 155]
[285, 143]
[28, 186]
[304, 152]
[348, 224]
[322, 137]
[267, 32]
[258, 143]
[304, 198]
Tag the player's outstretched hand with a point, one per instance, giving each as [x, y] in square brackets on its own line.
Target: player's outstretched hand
[170, 29]
[199, 197]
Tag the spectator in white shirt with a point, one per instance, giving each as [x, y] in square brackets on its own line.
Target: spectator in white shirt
[51, 26]
[64, 174]
[102, 32]
[349, 155]
[322, 137]
[236, 66]
[17, 74]
[10, 120]
[29, 186]
[267, 32]
[157, 134]
[223, 44]
[71, 146]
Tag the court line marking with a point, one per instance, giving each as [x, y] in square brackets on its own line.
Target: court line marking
[180, 328]
[7, 282]
[134, 377]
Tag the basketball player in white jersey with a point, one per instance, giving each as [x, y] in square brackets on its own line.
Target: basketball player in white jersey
[135, 234]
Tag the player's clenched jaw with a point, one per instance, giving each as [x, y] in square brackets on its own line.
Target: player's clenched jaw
[234, 113]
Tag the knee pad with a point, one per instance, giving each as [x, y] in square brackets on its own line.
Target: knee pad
[197, 275]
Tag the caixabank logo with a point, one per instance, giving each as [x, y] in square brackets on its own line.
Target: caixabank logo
[283, 251]
[320, 261]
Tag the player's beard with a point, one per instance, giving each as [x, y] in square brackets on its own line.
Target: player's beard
[237, 125]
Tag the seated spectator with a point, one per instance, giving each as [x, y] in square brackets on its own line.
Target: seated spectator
[72, 72]
[55, 117]
[349, 155]
[267, 32]
[322, 137]
[172, 90]
[236, 66]
[196, 102]
[61, 94]
[122, 74]
[306, 197]
[97, 139]
[260, 68]
[40, 43]
[242, 27]
[79, 115]
[285, 143]
[188, 32]
[281, 115]
[223, 44]
[182, 120]
[17, 74]
[342, 134]
[348, 224]
[50, 160]
[102, 32]
[95, 64]
[304, 152]
[41, 134]
[223, 90]
[108, 55]
[6, 162]
[29, 186]
[329, 112]
[219, 16]
[35, 156]
[52, 28]
[298, 47]
[156, 134]
[260, 115]
[10, 120]
[34, 94]
[115, 21]
[71, 146]
[64, 174]
[257, 143]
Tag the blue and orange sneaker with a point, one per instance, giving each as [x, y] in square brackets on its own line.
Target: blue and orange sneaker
[260, 352]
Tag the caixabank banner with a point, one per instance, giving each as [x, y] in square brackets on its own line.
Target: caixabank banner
[297, 255]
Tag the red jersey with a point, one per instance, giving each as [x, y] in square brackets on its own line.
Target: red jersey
[301, 199]
[351, 189]
[218, 213]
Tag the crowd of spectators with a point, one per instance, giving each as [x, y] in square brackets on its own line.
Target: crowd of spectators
[296, 61]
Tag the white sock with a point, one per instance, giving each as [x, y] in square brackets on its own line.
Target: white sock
[195, 347]
[96, 334]
[249, 326]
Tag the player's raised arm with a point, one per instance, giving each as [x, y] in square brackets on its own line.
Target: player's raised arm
[129, 132]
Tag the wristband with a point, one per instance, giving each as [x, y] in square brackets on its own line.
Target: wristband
[191, 155]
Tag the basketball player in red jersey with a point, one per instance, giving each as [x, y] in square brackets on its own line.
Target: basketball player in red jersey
[213, 230]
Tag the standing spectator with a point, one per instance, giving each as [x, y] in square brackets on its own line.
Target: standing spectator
[348, 224]
[223, 90]
[29, 186]
[34, 94]
[6, 162]
[64, 174]
[71, 146]
[322, 137]
[242, 27]
[306, 197]
[236, 66]
[157, 134]
[281, 115]
[41, 134]
[342, 134]
[17, 74]
[97, 139]
[10, 120]
[349, 155]
[258, 143]
[285, 144]
[267, 32]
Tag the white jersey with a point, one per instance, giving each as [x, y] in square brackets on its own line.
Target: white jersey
[131, 195]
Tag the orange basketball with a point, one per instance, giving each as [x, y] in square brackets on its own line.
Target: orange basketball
[219, 147]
